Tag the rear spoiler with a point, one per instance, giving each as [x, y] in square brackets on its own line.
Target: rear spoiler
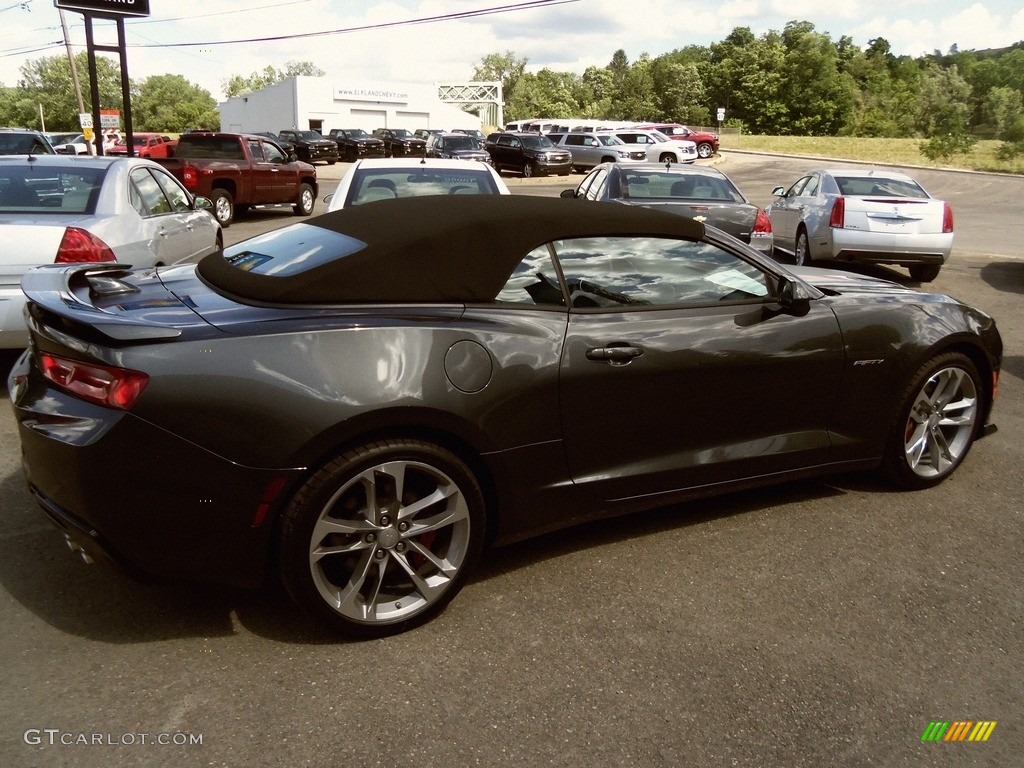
[65, 291]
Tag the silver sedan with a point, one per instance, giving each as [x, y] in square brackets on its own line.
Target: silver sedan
[869, 216]
[66, 208]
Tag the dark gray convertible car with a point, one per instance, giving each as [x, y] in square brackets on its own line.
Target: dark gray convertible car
[364, 407]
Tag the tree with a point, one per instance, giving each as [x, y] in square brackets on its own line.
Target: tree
[169, 104]
[238, 85]
[818, 96]
[950, 134]
[504, 68]
[46, 83]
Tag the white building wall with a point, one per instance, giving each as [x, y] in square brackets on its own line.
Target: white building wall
[321, 102]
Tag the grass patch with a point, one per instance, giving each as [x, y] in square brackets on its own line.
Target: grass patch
[898, 151]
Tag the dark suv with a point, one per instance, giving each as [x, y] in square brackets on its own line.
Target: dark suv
[528, 153]
[456, 146]
[355, 143]
[311, 146]
[19, 142]
[399, 142]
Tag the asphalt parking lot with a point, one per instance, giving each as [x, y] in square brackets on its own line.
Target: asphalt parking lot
[818, 623]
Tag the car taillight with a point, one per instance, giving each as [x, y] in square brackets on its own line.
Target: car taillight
[947, 218]
[190, 177]
[100, 384]
[78, 245]
[838, 217]
[762, 224]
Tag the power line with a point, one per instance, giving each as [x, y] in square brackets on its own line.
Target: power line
[522, 6]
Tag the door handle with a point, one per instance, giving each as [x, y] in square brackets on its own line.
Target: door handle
[614, 355]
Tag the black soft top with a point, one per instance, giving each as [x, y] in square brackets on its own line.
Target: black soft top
[459, 248]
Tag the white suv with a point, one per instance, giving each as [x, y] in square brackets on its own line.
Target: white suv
[592, 149]
[659, 147]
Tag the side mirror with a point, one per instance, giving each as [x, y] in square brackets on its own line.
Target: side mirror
[202, 203]
[793, 298]
[567, 193]
[779, 191]
[67, 149]
[292, 157]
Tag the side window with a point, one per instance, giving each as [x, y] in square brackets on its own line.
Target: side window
[533, 281]
[810, 188]
[794, 191]
[151, 196]
[597, 185]
[255, 150]
[177, 196]
[273, 154]
[650, 271]
[574, 140]
[585, 185]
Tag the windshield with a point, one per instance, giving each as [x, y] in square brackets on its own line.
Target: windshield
[460, 142]
[49, 190]
[358, 133]
[609, 141]
[309, 135]
[879, 186]
[537, 142]
[403, 134]
[388, 183]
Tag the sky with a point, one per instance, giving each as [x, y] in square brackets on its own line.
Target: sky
[563, 35]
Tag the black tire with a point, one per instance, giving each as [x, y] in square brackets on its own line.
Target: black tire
[937, 423]
[304, 201]
[802, 249]
[705, 150]
[362, 586]
[223, 207]
[924, 273]
[528, 170]
[668, 158]
[331, 162]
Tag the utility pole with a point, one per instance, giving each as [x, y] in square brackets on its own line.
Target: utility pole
[74, 69]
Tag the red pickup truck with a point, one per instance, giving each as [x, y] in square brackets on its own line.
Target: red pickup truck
[151, 145]
[239, 170]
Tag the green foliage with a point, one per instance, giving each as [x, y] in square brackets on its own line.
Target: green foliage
[796, 82]
[1013, 146]
[239, 85]
[950, 135]
[162, 104]
[46, 83]
[169, 104]
[504, 68]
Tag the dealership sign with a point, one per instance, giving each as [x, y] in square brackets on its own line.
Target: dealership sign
[106, 7]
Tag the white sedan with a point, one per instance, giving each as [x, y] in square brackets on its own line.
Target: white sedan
[862, 215]
[389, 178]
[659, 147]
[67, 208]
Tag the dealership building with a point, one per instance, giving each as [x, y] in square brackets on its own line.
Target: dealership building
[322, 103]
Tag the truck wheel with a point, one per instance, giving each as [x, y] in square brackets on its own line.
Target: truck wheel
[223, 206]
[304, 202]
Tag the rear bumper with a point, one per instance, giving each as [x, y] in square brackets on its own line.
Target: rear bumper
[889, 248]
[129, 492]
